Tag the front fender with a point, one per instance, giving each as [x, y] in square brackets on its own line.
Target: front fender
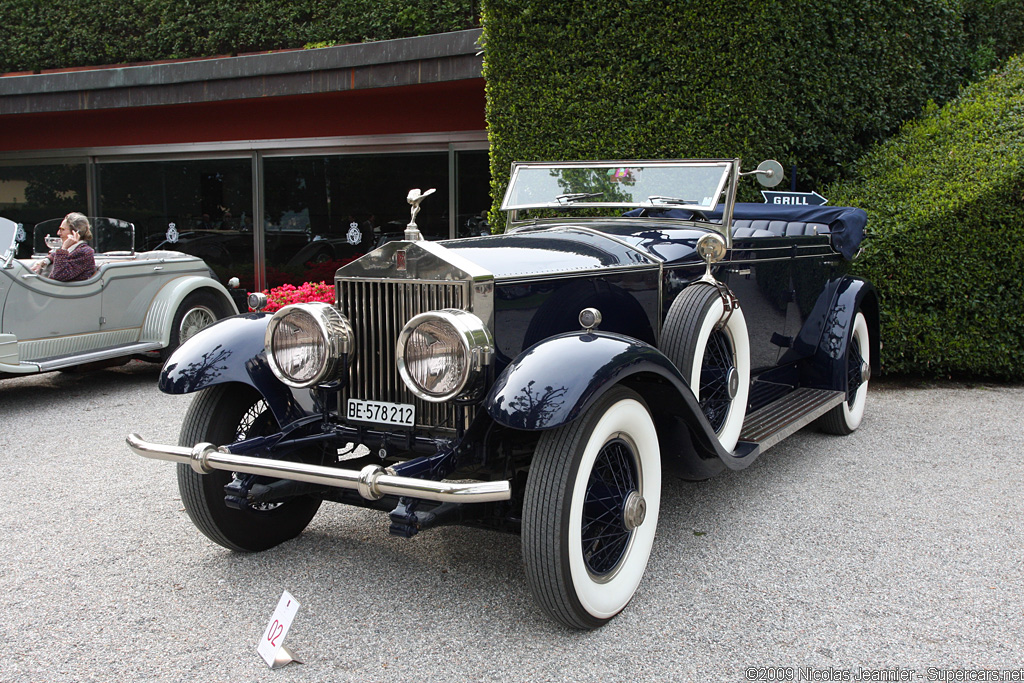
[157, 326]
[231, 351]
[554, 381]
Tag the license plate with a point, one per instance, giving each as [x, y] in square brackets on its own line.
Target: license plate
[379, 412]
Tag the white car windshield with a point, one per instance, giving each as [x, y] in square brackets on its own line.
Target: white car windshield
[8, 232]
[694, 185]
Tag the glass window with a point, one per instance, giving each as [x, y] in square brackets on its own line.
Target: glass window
[473, 193]
[323, 211]
[31, 194]
[201, 207]
[697, 186]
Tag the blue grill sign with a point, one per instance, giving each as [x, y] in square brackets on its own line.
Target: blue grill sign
[794, 198]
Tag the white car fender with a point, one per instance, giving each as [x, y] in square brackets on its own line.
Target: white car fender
[157, 326]
[10, 359]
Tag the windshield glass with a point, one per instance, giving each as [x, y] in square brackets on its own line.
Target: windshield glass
[8, 231]
[695, 185]
[108, 235]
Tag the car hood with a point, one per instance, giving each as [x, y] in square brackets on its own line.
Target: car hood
[552, 250]
[568, 248]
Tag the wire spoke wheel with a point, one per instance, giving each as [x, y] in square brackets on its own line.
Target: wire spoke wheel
[221, 415]
[591, 510]
[605, 534]
[194, 320]
[854, 371]
[716, 371]
[712, 355]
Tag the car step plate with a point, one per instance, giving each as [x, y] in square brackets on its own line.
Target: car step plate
[771, 424]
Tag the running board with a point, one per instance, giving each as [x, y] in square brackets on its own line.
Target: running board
[58, 362]
[797, 409]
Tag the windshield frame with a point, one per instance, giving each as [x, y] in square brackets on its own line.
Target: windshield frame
[725, 193]
[521, 182]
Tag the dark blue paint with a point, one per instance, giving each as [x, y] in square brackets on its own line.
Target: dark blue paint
[554, 381]
[825, 336]
[523, 254]
[231, 350]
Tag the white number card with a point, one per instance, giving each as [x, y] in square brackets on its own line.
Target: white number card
[271, 646]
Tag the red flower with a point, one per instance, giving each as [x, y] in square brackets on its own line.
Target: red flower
[279, 297]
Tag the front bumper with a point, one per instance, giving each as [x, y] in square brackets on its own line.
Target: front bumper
[372, 482]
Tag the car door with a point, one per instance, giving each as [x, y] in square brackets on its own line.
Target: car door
[51, 318]
[129, 288]
[759, 272]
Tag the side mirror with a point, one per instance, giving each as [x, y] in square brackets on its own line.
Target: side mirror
[769, 173]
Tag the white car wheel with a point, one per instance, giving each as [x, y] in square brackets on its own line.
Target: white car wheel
[847, 416]
[198, 310]
[591, 510]
[195, 319]
[715, 362]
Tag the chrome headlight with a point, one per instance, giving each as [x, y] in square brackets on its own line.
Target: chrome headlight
[306, 344]
[441, 353]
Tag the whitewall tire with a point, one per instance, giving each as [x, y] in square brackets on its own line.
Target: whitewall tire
[591, 510]
[847, 416]
[715, 362]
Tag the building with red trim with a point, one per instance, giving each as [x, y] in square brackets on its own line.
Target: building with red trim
[273, 167]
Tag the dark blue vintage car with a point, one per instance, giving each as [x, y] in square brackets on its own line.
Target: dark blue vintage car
[632, 319]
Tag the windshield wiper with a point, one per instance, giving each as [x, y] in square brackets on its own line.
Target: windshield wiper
[670, 200]
[576, 196]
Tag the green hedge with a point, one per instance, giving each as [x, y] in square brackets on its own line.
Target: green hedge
[809, 84]
[995, 31]
[946, 247]
[68, 33]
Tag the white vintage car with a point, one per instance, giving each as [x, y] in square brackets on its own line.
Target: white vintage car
[136, 305]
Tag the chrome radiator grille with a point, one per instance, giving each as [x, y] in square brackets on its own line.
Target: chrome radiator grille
[378, 310]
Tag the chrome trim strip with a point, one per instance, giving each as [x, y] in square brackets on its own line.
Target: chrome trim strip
[372, 482]
[582, 272]
[82, 358]
[242, 149]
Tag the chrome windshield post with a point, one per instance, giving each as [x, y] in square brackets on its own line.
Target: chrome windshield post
[730, 201]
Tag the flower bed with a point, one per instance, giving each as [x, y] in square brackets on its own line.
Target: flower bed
[279, 297]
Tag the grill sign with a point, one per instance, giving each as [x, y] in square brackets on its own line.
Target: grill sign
[794, 198]
[400, 259]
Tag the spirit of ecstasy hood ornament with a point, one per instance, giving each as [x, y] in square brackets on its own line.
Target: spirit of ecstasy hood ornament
[412, 231]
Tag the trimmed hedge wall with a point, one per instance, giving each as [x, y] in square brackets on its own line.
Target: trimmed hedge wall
[721, 78]
[68, 33]
[946, 246]
[995, 31]
[809, 84]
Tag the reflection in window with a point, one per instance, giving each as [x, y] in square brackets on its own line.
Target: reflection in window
[323, 211]
[31, 194]
[201, 207]
[473, 196]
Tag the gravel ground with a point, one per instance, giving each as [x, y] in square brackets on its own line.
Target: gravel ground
[897, 547]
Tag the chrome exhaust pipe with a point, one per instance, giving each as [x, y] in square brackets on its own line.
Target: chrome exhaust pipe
[373, 482]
